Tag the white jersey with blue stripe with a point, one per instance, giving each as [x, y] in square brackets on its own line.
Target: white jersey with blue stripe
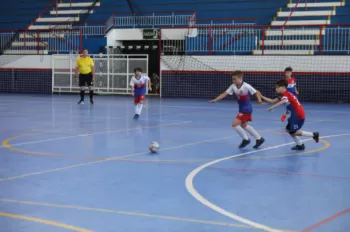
[243, 94]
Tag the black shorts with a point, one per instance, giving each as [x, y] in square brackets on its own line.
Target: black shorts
[85, 79]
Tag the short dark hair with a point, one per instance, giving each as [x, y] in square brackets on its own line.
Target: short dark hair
[282, 83]
[237, 73]
[137, 69]
[288, 69]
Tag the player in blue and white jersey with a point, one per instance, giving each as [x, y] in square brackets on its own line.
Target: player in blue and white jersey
[243, 91]
[138, 90]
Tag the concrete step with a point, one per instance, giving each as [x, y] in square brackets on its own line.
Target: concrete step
[306, 13]
[284, 52]
[58, 19]
[290, 32]
[26, 52]
[77, 4]
[300, 22]
[28, 44]
[68, 12]
[290, 42]
[48, 27]
[316, 4]
[42, 35]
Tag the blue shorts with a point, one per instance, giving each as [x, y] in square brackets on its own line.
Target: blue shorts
[294, 124]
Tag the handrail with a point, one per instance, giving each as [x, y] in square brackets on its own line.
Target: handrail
[43, 12]
[290, 15]
[35, 35]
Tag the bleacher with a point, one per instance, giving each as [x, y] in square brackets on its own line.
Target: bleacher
[287, 35]
[290, 27]
[17, 14]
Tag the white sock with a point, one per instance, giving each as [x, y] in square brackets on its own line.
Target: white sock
[252, 132]
[136, 107]
[297, 140]
[307, 134]
[139, 108]
[241, 132]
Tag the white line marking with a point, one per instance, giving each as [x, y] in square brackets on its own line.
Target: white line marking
[190, 188]
[163, 106]
[256, 108]
[97, 133]
[110, 159]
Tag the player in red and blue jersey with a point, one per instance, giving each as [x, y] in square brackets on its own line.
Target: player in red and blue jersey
[297, 114]
[243, 91]
[138, 90]
[291, 87]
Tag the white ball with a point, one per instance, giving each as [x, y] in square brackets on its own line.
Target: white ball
[153, 147]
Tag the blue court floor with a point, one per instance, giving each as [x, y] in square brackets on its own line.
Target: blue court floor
[69, 167]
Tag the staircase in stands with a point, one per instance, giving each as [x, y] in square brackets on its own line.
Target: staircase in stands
[50, 27]
[284, 39]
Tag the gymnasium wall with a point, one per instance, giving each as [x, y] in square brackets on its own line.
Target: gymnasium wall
[319, 78]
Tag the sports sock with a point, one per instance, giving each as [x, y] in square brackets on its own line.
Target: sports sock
[91, 94]
[252, 132]
[241, 132]
[297, 140]
[307, 134]
[139, 108]
[82, 93]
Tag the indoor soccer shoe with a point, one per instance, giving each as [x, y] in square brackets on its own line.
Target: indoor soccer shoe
[244, 143]
[316, 137]
[259, 142]
[298, 147]
[81, 102]
[136, 116]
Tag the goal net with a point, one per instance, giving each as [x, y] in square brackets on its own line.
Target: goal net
[207, 73]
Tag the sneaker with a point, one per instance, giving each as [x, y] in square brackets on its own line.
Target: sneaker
[284, 117]
[81, 102]
[244, 143]
[136, 116]
[316, 137]
[259, 142]
[299, 147]
[91, 101]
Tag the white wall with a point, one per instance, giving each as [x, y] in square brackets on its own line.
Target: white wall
[257, 63]
[28, 61]
[220, 63]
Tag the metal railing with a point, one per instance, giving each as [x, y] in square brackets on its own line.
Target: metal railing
[88, 30]
[148, 21]
[35, 42]
[258, 40]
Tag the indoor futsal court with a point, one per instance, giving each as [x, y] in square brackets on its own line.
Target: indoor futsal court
[69, 167]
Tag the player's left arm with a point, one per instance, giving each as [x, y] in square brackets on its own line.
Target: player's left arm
[253, 91]
[283, 101]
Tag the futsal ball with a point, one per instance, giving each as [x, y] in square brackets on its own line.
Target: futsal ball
[153, 147]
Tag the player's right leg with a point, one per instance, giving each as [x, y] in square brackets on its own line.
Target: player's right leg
[136, 103]
[82, 82]
[236, 124]
[259, 140]
[291, 128]
[140, 104]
